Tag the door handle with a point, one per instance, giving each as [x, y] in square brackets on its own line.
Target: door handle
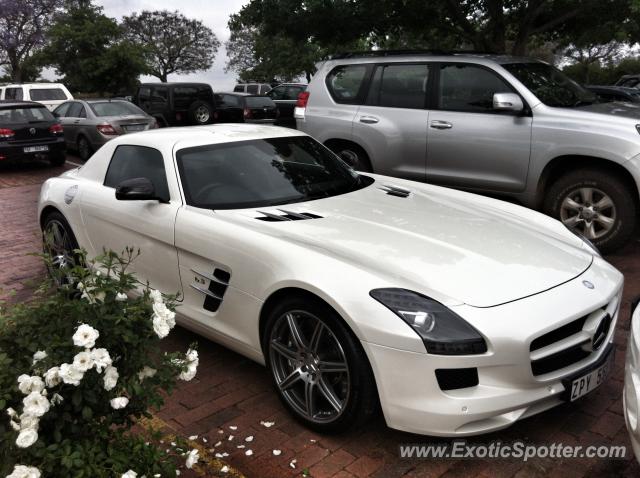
[368, 119]
[76, 122]
[437, 124]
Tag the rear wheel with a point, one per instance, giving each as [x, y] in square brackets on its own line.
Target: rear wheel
[200, 113]
[84, 148]
[318, 367]
[59, 245]
[596, 204]
[353, 155]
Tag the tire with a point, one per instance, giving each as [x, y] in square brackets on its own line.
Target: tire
[351, 386]
[84, 148]
[200, 113]
[354, 156]
[62, 253]
[596, 204]
[57, 159]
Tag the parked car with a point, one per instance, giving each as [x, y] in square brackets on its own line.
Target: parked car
[29, 131]
[88, 124]
[473, 314]
[631, 395]
[252, 88]
[629, 81]
[177, 104]
[48, 94]
[285, 97]
[245, 108]
[491, 124]
[615, 93]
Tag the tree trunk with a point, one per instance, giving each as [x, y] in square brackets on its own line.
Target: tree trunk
[163, 76]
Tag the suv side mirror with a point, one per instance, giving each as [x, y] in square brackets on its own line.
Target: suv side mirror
[507, 102]
[136, 189]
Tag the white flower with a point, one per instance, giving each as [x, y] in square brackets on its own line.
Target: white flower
[39, 355]
[110, 377]
[224, 469]
[28, 384]
[146, 372]
[192, 365]
[119, 402]
[52, 377]
[192, 458]
[249, 438]
[83, 361]
[21, 471]
[192, 356]
[277, 452]
[101, 359]
[121, 296]
[11, 412]
[29, 421]
[35, 404]
[160, 327]
[248, 452]
[56, 399]
[188, 374]
[155, 295]
[15, 425]
[70, 375]
[27, 437]
[129, 474]
[85, 336]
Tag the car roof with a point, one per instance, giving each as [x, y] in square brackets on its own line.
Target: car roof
[175, 83]
[239, 93]
[400, 56]
[21, 103]
[43, 85]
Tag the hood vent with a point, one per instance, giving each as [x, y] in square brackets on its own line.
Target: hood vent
[395, 191]
[287, 216]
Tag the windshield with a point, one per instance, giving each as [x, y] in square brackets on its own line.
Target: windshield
[264, 172]
[24, 114]
[550, 85]
[116, 108]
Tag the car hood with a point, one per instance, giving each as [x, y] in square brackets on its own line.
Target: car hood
[616, 108]
[454, 246]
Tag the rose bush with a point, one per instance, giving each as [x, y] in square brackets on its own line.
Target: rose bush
[79, 366]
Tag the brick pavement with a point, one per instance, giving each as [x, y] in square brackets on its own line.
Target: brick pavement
[231, 391]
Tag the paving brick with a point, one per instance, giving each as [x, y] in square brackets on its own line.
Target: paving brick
[332, 464]
[365, 466]
[608, 424]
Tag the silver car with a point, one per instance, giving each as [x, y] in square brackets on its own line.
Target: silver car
[88, 124]
[499, 125]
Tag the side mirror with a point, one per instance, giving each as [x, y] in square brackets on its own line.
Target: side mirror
[507, 102]
[136, 189]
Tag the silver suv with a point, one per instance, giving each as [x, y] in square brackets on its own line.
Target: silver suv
[498, 125]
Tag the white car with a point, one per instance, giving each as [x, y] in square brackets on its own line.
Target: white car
[459, 313]
[51, 95]
[631, 395]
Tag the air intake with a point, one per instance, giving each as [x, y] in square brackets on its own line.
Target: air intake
[395, 191]
[287, 216]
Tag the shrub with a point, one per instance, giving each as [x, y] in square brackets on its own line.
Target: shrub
[79, 366]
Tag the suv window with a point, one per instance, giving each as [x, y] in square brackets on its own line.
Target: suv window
[277, 93]
[129, 162]
[230, 100]
[144, 93]
[238, 89]
[252, 89]
[75, 110]
[13, 94]
[469, 88]
[44, 94]
[159, 94]
[345, 83]
[183, 96]
[400, 86]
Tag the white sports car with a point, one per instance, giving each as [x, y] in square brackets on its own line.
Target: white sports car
[460, 314]
[631, 395]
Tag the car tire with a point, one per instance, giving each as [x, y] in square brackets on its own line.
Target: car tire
[57, 159]
[340, 398]
[84, 148]
[354, 156]
[597, 204]
[59, 244]
[200, 113]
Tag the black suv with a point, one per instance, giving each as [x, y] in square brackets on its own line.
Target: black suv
[177, 104]
[28, 130]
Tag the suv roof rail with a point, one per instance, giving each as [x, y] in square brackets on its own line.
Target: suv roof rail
[382, 53]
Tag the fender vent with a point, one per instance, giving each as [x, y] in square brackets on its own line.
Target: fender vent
[287, 216]
[395, 191]
[213, 295]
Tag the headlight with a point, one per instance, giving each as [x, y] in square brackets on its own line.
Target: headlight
[590, 245]
[442, 330]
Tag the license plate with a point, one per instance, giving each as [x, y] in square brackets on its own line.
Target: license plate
[35, 149]
[592, 380]
[132, 128]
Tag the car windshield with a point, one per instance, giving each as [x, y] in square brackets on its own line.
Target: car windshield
[264, 172]
[259, 101]
[115, 108]
[550, 85]
[24, 114]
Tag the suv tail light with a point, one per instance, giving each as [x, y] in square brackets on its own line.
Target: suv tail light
[303, 98]
[247, 113]
[106, 128]
[6, 133]
[56, 129]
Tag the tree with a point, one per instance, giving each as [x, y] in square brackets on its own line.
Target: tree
[172, 42]
[23, 25]
[90, 51]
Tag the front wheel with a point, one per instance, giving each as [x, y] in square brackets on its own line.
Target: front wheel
[200, 113]
[59, 245]
[596, 204]
[318, 367]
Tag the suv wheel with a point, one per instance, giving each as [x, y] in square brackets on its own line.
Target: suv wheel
[354, 156]
[596, 204]
[200, 113]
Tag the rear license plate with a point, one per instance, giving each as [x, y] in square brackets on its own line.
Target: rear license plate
[35, 149]
[592, 380]
[134, 127]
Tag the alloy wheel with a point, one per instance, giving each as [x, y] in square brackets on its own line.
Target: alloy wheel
[202, 114]
[588, 211]
[59, 246]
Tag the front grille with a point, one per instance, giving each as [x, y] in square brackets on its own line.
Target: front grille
[456, 378]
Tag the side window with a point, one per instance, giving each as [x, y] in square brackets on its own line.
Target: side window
[346, 83]
[469, 88]
[253, 89]
[231, 101]
[144, 93]
[13, 94]
[83, 113]
[129, 162]
[61, 111]
[183, 96]
[74, 110]
[292, 92]
[239, 89]
[159, 94]
[277, 93]
[400, 86]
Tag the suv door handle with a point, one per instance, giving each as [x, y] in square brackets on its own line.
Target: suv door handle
[368, 119]
[437, 124]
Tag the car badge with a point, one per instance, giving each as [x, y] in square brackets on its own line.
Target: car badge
[32, 130]
[588, 285]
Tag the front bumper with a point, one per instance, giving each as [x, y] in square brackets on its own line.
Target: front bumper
[507, 390]
[15, 152]
[631, 395]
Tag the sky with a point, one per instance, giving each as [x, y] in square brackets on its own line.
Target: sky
[213, 13]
